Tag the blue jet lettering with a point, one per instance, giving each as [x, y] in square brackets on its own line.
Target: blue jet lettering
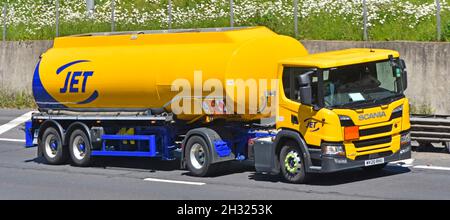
[74, 79]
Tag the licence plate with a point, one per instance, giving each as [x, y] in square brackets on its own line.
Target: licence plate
[374, 162]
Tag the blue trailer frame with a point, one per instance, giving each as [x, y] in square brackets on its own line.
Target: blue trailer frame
[151, 141]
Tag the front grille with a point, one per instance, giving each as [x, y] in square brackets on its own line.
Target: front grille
[374, 156]
[377, 130]
[371, 142]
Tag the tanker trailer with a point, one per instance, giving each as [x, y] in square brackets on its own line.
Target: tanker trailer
[197, 95]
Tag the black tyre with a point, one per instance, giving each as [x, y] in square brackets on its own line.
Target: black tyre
[51, 144]
[292, 164]
[375, 168]
[80, 148]
[197, 157]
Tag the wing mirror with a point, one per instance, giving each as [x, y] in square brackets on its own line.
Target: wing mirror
[305, 89]
[404, 74]
[399, 70]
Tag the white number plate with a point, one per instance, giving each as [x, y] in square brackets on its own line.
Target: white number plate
[374, 162]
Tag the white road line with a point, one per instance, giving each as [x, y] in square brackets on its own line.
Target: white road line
[174, 181]
[12, 140]
[432, 167]
[403, 163]
[16, 122]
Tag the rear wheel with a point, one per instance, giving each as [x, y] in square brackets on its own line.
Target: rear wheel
[292, 164]
[80, 148]
[52, 147]
[197, 157]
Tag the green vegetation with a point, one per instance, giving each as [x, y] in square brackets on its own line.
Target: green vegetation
[17, 100]
[422, 109]
[318, 20]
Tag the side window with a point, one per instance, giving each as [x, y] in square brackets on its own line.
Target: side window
[385, 76]
[291, 85]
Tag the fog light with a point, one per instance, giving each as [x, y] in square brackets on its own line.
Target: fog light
[333, 150]
[340, 161]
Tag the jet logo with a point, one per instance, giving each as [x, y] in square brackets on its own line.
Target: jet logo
[77, 81]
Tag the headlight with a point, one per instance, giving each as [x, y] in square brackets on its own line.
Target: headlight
[333, 150]
[346, 121]
[398, 109]
[405, 139]
[344, 118]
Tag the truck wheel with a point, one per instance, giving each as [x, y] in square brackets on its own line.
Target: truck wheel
[197, 157]
[51, 144]
[375, 168]
[292, 164]
[80, 148]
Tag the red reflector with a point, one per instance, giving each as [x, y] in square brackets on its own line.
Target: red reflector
[351, 133]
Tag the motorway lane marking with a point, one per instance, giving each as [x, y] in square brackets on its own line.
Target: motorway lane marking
[16, 122]
[432, 167]
[12, 140]
[403, 163]
[174, 181]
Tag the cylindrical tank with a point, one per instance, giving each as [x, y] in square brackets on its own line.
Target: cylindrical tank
[132, 71]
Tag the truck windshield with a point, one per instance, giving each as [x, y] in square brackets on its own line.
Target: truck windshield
[361, 84]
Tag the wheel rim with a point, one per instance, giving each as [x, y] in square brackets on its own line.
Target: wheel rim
[292, 162]
[197, 156]
[79, 147]
[51, 145]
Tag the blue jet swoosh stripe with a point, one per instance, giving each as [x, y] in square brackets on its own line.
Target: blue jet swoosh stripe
[91, 98]
[70, 64]
[41, 96]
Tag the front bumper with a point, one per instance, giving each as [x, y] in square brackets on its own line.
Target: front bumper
[334, 164]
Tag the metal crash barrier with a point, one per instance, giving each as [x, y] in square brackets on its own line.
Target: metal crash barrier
[427, 129]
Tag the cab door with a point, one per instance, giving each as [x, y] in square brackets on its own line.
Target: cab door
[292, 113]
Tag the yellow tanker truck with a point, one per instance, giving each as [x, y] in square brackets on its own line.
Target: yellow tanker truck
[201, 96]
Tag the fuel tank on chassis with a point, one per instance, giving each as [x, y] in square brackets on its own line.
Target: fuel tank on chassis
[129, 71]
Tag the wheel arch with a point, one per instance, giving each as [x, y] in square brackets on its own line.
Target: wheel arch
[210, 136]
[74, 126]
[49, 124]
[286, 135]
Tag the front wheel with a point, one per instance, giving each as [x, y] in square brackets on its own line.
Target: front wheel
[80, 148]
[292, 164]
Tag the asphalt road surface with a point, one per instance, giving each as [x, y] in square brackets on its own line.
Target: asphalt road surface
[24, 176]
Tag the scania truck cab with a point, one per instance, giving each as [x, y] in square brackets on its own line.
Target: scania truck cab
[338, 110]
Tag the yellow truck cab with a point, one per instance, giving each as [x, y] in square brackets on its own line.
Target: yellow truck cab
[341, 109]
